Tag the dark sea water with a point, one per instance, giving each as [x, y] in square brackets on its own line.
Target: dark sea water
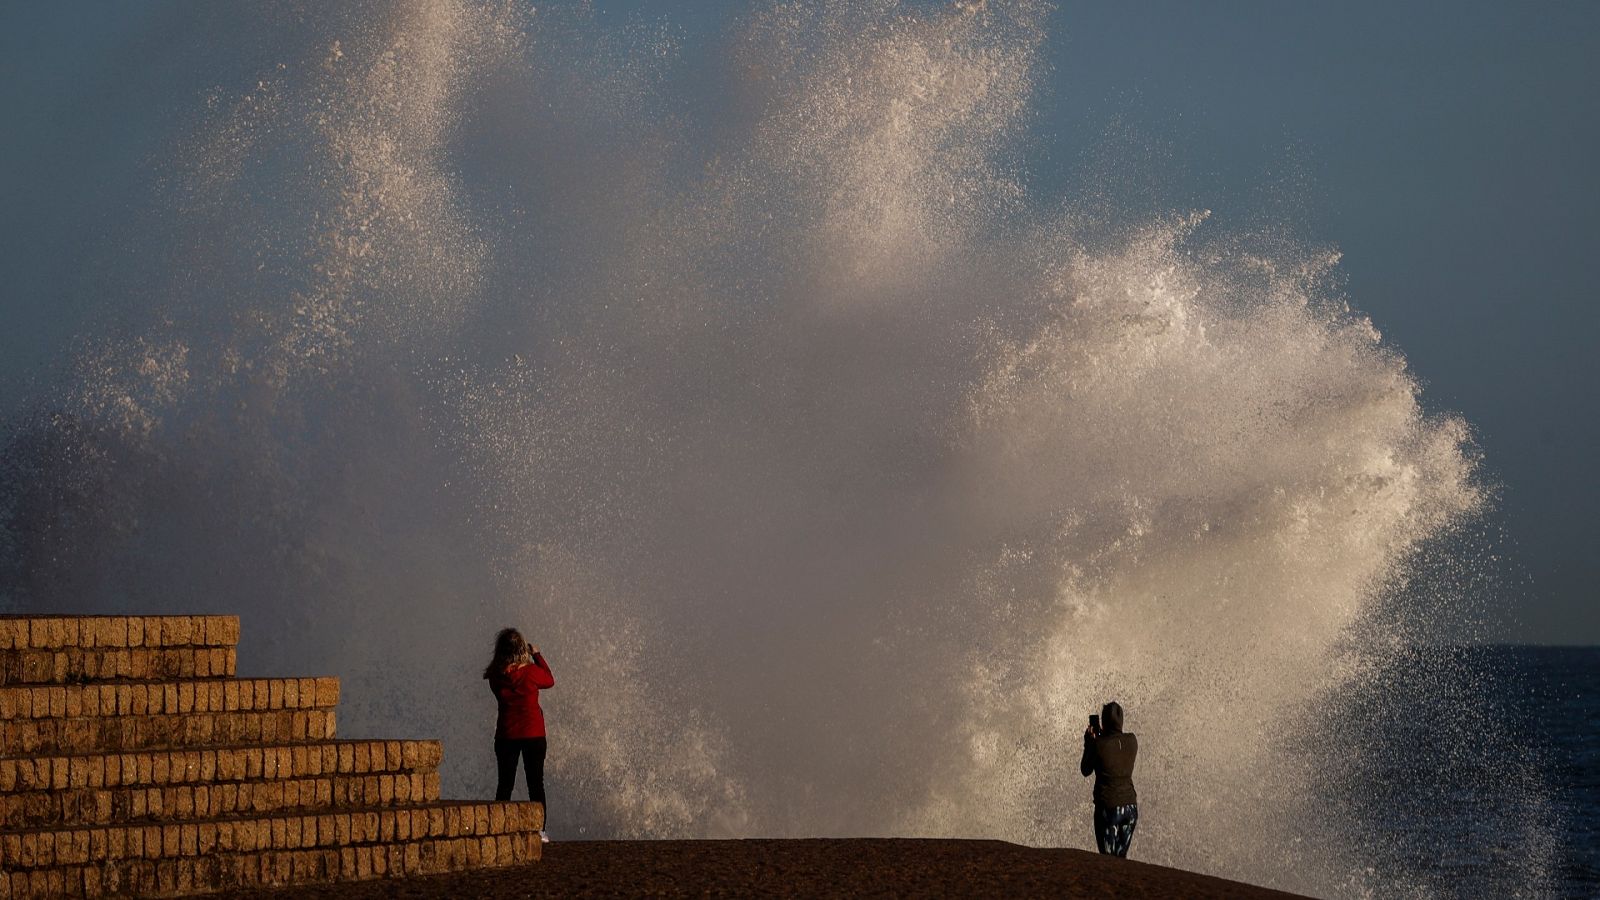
[1476, 828]
[1470, 772]
[1560, 688]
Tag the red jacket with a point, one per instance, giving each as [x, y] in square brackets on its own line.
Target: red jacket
[516, 689]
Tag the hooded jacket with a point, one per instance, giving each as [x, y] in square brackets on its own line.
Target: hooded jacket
[1109, 756]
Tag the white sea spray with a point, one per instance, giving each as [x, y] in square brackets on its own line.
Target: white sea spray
[838, 478]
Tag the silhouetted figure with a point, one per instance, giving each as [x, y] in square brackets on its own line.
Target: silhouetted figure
[1108, 754]
[516, 674]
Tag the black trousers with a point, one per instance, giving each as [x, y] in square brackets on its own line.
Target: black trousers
[506, 751]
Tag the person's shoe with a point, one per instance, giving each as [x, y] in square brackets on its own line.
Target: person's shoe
[544, 838]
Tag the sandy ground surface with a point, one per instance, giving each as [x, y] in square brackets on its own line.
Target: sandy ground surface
[802, 868]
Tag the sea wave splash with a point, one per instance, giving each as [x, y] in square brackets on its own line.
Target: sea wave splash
[838, 477]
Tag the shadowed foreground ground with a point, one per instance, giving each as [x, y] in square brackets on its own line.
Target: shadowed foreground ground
[824, 867]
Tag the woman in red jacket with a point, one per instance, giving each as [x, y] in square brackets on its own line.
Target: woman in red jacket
[516, 675]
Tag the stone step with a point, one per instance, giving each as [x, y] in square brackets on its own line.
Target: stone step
[149, 698]
[186, 784]
[62, 632]
[121, 733]
[208, 855]
[157, 768]
[105, 806]
[79, 664]
[137, 715]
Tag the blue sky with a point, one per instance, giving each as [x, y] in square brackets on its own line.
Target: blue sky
[1448, 149]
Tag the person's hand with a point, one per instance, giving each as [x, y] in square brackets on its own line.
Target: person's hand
[532, 651]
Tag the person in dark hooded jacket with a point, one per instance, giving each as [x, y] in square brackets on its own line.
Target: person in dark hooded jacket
[1108, 755]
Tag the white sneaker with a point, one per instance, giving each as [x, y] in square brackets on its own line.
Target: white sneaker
[544, 838]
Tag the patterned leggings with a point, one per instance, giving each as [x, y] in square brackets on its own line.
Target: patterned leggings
[1113, 827]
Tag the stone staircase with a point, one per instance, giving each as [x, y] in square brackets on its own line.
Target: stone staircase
[134, 762]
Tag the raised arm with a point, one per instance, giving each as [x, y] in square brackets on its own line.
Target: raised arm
[540, 672]
[1087, 765]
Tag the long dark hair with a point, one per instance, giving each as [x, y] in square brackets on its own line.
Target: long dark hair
[508, 648]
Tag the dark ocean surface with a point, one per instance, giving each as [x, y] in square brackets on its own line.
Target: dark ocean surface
[1549, 701]
[1470, 772]
[1559, 688]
